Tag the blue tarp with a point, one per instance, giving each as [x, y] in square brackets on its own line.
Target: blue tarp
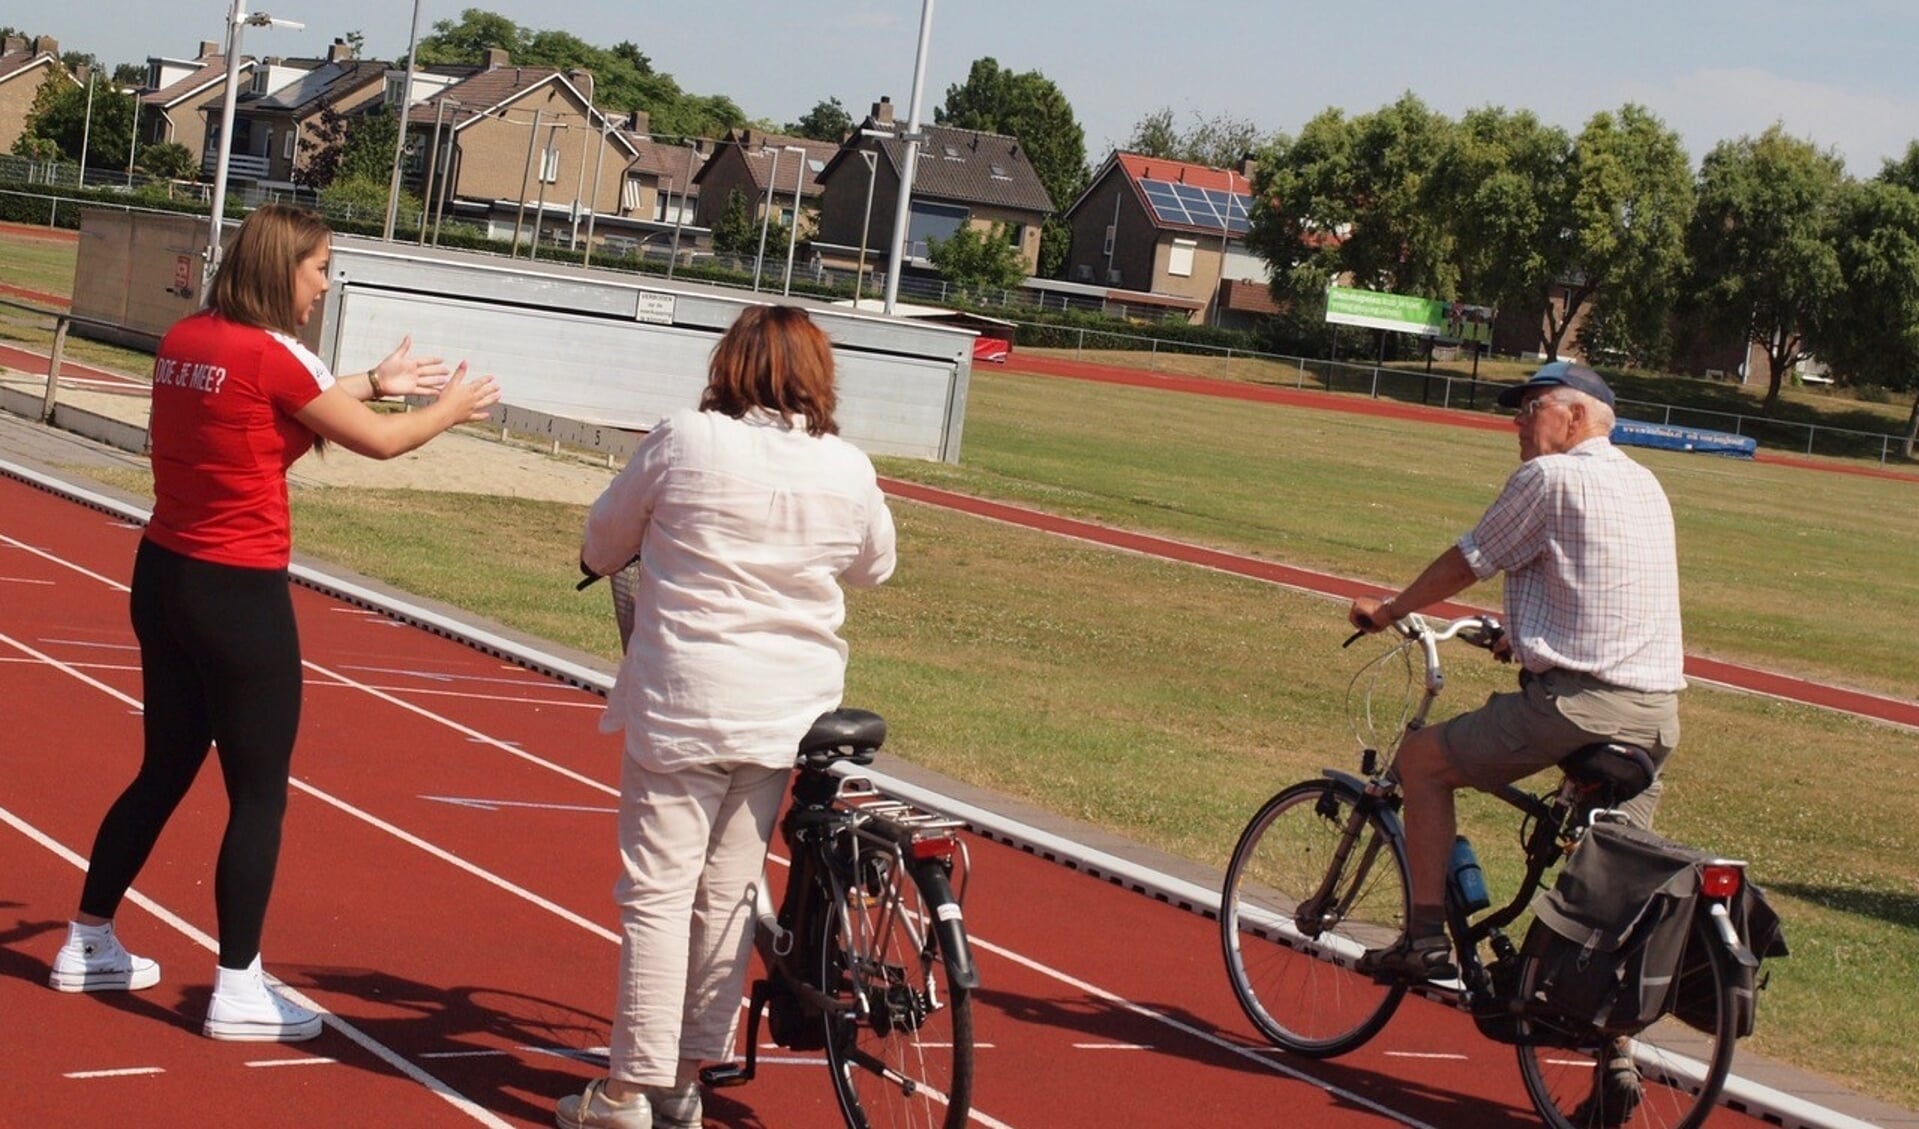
[1634, 433]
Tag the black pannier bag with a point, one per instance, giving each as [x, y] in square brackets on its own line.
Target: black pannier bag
[1756, 923]
[1612, 933]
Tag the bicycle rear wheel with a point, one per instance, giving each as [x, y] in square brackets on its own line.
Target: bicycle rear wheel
[899, 1041]
[1296, 912]
[1681, 1068]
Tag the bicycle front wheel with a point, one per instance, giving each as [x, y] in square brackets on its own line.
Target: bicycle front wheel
[1681, 1068]
[899, 1036]
[1311, 886]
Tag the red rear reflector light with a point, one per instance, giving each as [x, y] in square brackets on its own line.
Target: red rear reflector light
[1720, 881]
[935, 848]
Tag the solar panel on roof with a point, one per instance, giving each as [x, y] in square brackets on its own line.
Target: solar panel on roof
[1192, 206]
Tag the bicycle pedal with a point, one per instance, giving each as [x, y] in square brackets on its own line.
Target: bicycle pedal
[724, 1075]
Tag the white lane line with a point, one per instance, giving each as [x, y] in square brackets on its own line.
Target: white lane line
[44, 555]
[1112, 1046]
[93, 643]
[272, 1062]
[1421, 1054]
[25, 580]
[1250, 1054]
[510, 699]
[465, 1054]
[187, 929]
[127, 1072]
[436, 676]
[478, 804]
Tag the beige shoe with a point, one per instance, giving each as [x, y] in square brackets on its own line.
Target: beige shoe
[592, 1109]
[675, 1107]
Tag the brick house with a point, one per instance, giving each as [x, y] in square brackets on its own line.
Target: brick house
[284, 99]
[178, 93]
[746, 160]
[1155, 231]
[661, 182]
[494, 169]
[24, 67]
[964, 178]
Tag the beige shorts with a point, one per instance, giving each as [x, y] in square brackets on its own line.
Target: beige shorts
[1551, 715]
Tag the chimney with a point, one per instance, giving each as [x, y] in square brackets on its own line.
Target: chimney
[883, 111]
[339, 51]
[82, 73]
[582, 80]
[750, 138]
[640, 122]
[494, 58]
[13, 45]
[208, 49]
[46, 45]
[1248, 165]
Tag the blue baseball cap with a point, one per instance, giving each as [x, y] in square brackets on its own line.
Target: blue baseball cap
[1560, 374]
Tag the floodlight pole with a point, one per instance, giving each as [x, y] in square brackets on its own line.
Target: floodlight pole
[539, 210]
[86, 131]
[519, 217]
[793, 235]
[593, 202]
[903, 213]
[872, 160]
[766, 218]
[237, 18]
[399, 144]
[679, 216]
[133, 143]
[432, 168]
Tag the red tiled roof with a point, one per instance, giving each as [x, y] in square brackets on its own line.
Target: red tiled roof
[1183, 172]
[661, 160]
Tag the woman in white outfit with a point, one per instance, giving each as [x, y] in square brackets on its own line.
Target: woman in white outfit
[747, 516]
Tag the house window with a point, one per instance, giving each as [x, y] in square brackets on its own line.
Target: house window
[932, 221]
[1179, 264]
[630, 194]
[292, 143]
[1107, 248]
[550, 165]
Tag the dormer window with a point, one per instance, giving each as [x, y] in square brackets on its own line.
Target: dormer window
[259, 83]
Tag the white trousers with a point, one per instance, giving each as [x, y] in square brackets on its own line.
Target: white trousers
[693, 842]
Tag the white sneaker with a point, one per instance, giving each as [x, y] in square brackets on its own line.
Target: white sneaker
[94, 960]
[592, 1109]
[245, 1008]
[675, 1107]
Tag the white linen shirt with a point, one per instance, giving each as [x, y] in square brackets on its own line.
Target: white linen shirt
[745, 529]
[1585, 539]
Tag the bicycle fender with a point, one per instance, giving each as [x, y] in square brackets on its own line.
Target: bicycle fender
[949, 925]
[1388, 814]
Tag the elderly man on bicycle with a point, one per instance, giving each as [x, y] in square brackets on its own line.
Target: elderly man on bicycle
[1585, 538]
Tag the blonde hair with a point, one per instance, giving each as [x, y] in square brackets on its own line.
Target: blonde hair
[775, 358]
[254, 285]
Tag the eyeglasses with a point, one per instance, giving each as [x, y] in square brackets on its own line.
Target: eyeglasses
[1531, 407]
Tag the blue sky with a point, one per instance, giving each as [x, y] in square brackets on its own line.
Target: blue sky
[1838, 72]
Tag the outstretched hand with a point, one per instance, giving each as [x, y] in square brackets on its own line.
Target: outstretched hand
[468, 399]
[402, 374]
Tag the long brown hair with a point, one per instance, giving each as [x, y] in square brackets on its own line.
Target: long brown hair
[254, 285]
[773, 357]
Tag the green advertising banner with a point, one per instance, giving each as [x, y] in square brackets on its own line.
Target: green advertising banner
[1403, 313]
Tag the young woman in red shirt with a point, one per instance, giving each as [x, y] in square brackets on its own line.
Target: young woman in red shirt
[236, 400]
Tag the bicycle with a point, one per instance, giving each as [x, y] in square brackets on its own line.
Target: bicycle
[1320, 875]
[866, 958]
[869, 927]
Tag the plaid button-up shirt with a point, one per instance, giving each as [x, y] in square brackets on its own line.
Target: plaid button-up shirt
[1585, 539]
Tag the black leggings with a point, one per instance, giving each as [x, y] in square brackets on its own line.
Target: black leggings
[220, 660]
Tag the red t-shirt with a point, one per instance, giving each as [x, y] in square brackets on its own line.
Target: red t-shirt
[223, 435]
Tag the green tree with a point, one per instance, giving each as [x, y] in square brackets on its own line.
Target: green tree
[1764, 243]
[1872, 334]
[321, 144]
[168, 160]
[363, 199]
[1356, 197]
[623, 77]
[735, 233]
[1217, 142]
[976, 261]
[1631, 198]
[826, 121]
[367, 151]
[1504, 185]
[1029, 106]
[130, 75]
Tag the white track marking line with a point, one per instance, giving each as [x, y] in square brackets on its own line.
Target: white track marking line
[44, 555]
[193, 933]
[24, 580]
[125, 1072]
[274, 1062]
[510, 699]
[1425, 1054]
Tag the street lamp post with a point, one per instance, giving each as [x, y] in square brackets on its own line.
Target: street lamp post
[872, 160]
[519, 217]
[432, 167]
[86, 132]
[133, 142]
[793, 235]
[679, 215]
[399, 145]
[237, 18]
[903, 213]
[593, 205]
[766, 217]
[550, 154]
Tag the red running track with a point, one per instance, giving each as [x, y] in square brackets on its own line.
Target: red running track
[445, 895]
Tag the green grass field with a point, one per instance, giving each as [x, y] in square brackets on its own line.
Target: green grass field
[1164, 701]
